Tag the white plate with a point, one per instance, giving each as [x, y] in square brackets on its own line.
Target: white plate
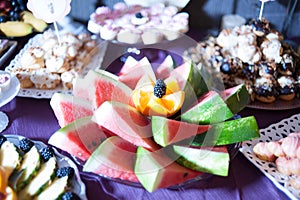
[95, 63]
[273, 133]
[13, 90]
[78, 186]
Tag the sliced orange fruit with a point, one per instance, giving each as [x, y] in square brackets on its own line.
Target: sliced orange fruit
[3, 181]
[148, 104]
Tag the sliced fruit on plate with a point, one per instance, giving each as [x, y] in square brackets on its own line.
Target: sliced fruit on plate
[10, 157]
[142, 68]
[156, 170]
[213, 160]
[102, 86]
[114, 158]
[44, 176]
[228, 132]
[125, 121]
[237, 98]
[165, 68]
[79, 138]
[209, 109]
[168, 131]
[190, 81]
[31, 163]
[157, 98]
[59, 185]
[68, 108]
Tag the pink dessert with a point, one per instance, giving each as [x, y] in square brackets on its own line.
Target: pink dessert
[136, 22]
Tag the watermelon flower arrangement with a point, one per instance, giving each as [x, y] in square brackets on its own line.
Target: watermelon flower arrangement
[159, 128]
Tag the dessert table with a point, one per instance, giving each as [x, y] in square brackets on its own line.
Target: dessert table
[35, 119]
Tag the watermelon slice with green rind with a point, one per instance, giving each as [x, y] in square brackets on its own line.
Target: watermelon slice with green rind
[157, 170]
[103, 86]
[237, 98]
[228, 132]
[68, 108]
[125, 121]
[213, 160]
[128, 65]
[190, 81]
[209, 109]
[168, 131]
[79, 138]
[114, 158]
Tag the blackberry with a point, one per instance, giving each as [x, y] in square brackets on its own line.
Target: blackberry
[160, 88]
[47, 153]
[139, 15]
[69, 196]
[65, 171]
[25, 144]
[2, 139]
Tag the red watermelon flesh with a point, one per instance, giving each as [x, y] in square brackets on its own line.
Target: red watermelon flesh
[128, 65]
[114, 158]
[104, 86]
[68, 108]
[126, 122]
[168, 131]
[134, 75]
[156, 170]
[79, 138]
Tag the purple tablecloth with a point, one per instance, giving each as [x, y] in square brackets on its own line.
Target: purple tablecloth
[34, 118]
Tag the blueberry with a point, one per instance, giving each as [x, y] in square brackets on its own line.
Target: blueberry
[139, 15]
[225, 67]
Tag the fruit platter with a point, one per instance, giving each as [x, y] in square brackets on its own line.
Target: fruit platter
[32, 170]
[44, 66]
[146, 126]
[17, 21]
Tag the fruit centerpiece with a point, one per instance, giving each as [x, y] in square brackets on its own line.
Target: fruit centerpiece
[159, 127]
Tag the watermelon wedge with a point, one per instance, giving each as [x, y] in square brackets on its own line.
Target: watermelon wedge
[210, 109]
[68, 108]
[135, 73]
[128, 65]
[165, 68]
[237, 98]
[168, 131]
[79, 138]
[156, 170]
[125, 121]
[228, 132]
[114, 158]
[103, 86]
[213, 160]
[190, 81]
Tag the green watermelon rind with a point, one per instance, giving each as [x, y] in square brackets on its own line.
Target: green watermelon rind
[229, 132]
[203, 160]
[212, 110]
[238, 98]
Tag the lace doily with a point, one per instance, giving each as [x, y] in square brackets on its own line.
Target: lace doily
[94, 63]
[274, 133]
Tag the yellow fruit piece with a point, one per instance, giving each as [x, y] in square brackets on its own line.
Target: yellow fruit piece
[148, 104]
[15, 28]
[37, 24]
[10, 194]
